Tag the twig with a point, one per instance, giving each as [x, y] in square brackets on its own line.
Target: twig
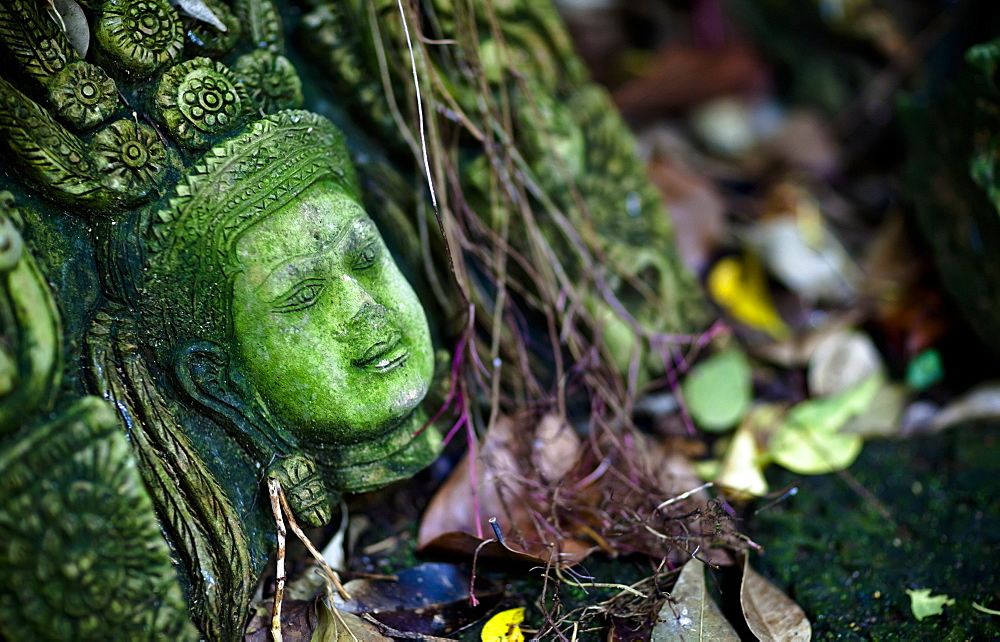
[274, 490]
[583, 585]
[472, 579]
[331, 575]
[684, 495]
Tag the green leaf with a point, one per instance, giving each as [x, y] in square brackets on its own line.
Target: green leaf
[690, 614]
[717, 391]
[923, 604]
[807, 452]
[925, 370]
[809, 442]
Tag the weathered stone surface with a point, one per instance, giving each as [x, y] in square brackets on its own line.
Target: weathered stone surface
[194, 299]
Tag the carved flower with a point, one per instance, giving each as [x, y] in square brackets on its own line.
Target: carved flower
[129, 158]
[81, 541]
[140, 36]
[270, 80]
[199, 100]
[83, 95]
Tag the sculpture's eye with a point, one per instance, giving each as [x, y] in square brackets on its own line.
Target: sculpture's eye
[366, 256]
[302, 296]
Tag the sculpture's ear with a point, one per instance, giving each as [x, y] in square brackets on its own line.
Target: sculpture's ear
[202, 368]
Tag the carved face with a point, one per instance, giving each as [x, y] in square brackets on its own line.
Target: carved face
[328, 329]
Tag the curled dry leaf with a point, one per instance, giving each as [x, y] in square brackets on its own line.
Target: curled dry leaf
[770, 614]
[463, 506]
[696, 209]
[842, 361]
[74, 23]
[689, 613]
[910, 312]
[982, 403]
[198, 9]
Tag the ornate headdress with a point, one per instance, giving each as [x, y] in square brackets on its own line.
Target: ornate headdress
[91, 136]
[188, 244]
[258, 171]
[107, 140]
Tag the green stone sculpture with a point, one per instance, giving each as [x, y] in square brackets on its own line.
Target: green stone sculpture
[82, 550]
[242, 320]
[194, 300]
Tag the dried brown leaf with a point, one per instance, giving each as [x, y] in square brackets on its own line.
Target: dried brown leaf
[680, 77]
[457, 516]
[696, 209]
[805, 141]
[557, 448]
[338, 626]
[298, 621]
[770, 614]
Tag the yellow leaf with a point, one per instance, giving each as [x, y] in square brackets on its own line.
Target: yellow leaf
[504, 627]
[741, 472]
[740, 287]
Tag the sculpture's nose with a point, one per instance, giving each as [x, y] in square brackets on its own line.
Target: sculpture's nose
[356, 303]
[371, 323]
[371, 316]
[371, 333]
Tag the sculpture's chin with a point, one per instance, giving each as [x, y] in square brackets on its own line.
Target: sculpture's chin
[374, 463]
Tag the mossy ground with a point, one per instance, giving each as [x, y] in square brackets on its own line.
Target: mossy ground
[847, 564]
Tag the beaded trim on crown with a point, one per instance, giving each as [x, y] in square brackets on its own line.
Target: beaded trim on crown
[257, 171]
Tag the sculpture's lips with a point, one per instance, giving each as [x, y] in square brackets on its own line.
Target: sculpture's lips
[384, 355]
